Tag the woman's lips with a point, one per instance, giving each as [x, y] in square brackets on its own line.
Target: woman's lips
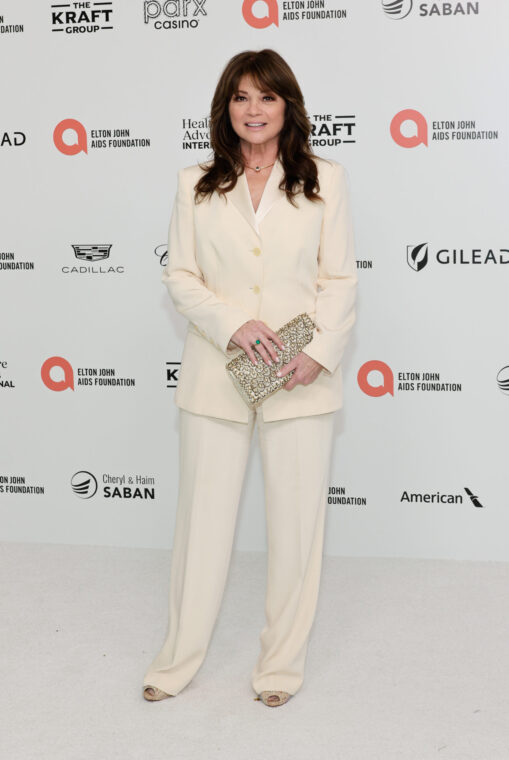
[255, 128]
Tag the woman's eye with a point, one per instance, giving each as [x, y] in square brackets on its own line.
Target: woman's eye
[239, 97]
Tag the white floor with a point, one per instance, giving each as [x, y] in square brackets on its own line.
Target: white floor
[408, 660]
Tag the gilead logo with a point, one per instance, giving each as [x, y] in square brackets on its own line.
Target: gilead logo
[387, 385]
[57, 385]
[262, 22]
[421, 129]
[81, 137]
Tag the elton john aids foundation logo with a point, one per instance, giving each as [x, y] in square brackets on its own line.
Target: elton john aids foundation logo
[366, 383]
[271, 15]
[420, 128]
[260, 14]
[376, 378]
[80, 137]
[87, 377]
[99, 138]
[415, 130]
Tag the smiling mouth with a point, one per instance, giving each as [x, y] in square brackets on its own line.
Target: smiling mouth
[255, 124]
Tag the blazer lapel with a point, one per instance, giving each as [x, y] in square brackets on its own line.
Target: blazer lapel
[240, 196]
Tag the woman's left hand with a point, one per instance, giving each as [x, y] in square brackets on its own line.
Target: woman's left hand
[306, 370]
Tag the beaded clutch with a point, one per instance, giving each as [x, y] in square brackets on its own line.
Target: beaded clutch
[255, 382]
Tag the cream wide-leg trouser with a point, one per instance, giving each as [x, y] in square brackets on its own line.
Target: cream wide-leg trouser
[213, 454]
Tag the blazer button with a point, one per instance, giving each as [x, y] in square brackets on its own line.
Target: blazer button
[256, 289]
[256, 251]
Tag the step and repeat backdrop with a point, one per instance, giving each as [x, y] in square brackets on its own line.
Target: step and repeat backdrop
[102, 103]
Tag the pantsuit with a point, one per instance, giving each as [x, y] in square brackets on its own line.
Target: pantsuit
[213, 455]
[228, 264]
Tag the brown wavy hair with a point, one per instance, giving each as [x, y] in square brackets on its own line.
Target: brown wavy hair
[269, 71]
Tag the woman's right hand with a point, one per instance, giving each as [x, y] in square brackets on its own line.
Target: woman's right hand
[247, 335]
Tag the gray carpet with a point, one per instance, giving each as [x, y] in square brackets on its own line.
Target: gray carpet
[408, 660]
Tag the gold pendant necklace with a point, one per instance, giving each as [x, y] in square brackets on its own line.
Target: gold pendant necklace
[259, 168]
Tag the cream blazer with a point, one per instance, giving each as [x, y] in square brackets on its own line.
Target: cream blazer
[227, 265]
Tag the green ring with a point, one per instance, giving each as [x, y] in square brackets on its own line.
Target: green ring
[258, 341]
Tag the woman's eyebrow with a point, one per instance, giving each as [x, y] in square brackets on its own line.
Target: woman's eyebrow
[264, 92]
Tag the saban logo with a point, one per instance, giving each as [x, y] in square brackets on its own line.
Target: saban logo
[84, 484]
[503, 380]
[397, 9]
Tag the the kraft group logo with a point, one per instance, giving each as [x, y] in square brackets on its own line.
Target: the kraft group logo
[503, 380]
[82, 18]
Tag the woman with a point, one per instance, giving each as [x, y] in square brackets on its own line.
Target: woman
[259, 234]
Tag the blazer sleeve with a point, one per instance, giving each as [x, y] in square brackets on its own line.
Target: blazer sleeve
[337, 276]
[214, 319]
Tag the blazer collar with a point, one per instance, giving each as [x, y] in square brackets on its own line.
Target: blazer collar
[241, 197]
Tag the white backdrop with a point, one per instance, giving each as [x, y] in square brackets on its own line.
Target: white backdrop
[97, 463]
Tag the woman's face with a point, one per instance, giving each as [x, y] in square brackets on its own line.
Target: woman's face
[251, 106]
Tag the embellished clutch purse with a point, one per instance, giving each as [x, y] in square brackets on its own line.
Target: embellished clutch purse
[255, 382]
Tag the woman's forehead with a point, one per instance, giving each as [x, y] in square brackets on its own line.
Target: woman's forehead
[249, 81]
